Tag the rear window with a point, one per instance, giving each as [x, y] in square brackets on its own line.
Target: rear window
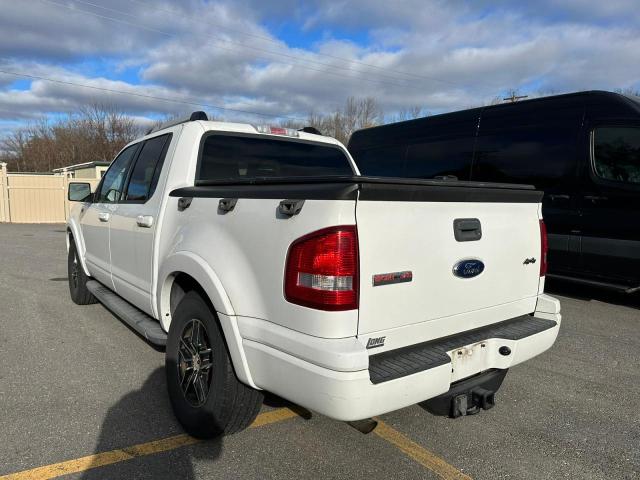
[234, 157]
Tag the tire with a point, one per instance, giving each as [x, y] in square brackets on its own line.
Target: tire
[206, 396]
[77, 278]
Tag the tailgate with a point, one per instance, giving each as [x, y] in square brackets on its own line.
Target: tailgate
[397, 237]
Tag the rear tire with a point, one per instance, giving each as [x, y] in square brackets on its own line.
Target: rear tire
[206, 396]
[77, 278]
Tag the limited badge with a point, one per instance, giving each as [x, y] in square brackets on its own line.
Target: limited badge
[393, 277]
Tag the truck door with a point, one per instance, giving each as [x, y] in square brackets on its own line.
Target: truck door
[134, 222]
[610, 244]
[95, 220]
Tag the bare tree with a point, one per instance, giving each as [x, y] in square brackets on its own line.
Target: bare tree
[628, 91]
[356, 113]
[410, 113]
[96, 132]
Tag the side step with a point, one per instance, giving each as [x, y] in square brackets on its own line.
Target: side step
[595, 283]
[142, 323]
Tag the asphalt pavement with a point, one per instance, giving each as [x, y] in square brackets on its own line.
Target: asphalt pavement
[80, 392]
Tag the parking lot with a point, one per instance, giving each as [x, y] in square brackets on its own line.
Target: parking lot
[82, 395]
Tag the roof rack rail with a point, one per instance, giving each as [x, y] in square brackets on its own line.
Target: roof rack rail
[313, 130]
[199, 115]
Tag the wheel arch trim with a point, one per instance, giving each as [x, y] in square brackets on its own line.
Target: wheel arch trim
[198, 269]
[73, 230]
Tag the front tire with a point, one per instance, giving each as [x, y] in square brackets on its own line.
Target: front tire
[206, 396]
[78, 290]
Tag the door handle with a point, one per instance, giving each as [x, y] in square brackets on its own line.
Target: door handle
[595, 198]
[467, 229]
[104, 216]
[555, 196]
[144, 221]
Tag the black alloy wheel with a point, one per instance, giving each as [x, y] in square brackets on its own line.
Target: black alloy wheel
[195, 361]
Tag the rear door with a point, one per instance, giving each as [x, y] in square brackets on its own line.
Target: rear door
[134, 223]
[415, 242]
[95, 220]
[537, 143]
[611, 202]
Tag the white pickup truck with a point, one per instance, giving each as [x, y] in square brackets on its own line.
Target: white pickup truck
[264, 262]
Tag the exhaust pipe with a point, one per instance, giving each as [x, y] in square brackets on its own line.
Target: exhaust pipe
[365, 426]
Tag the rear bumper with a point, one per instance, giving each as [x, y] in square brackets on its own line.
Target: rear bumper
[333, 377]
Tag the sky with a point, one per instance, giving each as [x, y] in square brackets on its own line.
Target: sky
[270, 60]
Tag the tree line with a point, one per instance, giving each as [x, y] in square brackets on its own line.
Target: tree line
[98, 132]
[93, 133]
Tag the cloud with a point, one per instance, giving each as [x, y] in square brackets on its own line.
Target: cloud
[440, 55]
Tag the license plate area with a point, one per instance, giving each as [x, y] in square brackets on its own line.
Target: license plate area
[470, 360]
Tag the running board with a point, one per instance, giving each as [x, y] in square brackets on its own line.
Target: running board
[142, 323]
[595, 283]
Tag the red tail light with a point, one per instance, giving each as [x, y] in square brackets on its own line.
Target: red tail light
[322, 269]
[544, 248]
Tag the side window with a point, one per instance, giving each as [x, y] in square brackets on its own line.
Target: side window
[113, 180]
[439, 157]
[381, 161]
[616, 154]
[536, 155]
[146, 171]
[532, 142]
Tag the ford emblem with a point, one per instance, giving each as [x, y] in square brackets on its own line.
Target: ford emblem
[468, 268]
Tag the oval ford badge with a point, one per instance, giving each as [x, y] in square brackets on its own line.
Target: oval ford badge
[468, 268]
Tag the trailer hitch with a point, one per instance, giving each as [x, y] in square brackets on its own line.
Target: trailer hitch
[467, 397]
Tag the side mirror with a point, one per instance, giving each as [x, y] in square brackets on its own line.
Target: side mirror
[79, 192]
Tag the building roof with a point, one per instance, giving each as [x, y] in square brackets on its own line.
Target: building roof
[80, 166]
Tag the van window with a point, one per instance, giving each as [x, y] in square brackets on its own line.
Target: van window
[616, 154]
[423, 148]
[234, 157]
[381, 161]
[147, 169]
[440, 157]
[533, 154]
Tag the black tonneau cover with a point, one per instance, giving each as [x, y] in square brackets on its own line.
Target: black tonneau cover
[363, 188]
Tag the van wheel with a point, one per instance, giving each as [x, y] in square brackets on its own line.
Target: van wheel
[77, 278]
[206, 396]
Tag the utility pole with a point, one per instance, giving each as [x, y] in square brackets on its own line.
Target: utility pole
[513, 98]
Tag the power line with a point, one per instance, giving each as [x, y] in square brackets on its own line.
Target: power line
[275, 42]
[238, 44]
[142, 95]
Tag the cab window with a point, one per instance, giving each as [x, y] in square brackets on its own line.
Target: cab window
[145, 173]
[241, 157]
[113, 180]
[616, 154]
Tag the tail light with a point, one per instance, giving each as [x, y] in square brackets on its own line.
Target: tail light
[322, 269]
[544, 248]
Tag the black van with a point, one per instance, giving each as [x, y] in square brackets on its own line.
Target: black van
[582, 149]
